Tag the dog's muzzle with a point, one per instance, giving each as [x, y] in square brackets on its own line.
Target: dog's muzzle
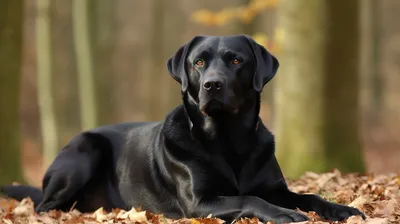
[213, 84]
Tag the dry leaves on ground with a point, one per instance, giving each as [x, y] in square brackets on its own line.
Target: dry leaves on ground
[378, 196]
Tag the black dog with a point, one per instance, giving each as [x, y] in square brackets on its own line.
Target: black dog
[211, 155]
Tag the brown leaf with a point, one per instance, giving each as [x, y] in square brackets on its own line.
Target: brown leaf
[378, 196]
[24, 208]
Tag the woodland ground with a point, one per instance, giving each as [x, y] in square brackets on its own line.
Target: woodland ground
[378, 196]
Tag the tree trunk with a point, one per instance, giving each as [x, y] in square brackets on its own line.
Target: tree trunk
[376, 77]
[342, 114]
[299, 117]
[317, 87]
[155, 107]
[173, 14]
[11, 21]
[370, 51]
[84, 61]
[102, 36]
[246, 28]
[66, 102]
[44, 83]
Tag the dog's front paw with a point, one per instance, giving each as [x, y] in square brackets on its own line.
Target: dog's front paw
[337, 212]
[288, 217]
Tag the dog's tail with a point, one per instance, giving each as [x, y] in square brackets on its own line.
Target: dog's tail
[19, 192]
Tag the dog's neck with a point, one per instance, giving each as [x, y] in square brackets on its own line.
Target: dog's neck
[232, 129]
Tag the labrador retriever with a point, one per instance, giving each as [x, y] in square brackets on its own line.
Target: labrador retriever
[211, 155]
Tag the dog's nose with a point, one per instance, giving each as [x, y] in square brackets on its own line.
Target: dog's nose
[213, 83]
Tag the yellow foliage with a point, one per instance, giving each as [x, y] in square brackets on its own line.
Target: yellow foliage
[244, 13]
[279, 35]
[204, 16]
[261, 39]
[255, 7]
[273, 46]
[225, 15]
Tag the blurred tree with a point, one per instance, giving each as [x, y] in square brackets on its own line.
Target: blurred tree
[84, 60]
[342, 87]
[44, 83]
[64, 78]
[11, 21]
[248, 27]
[174, 11]
[317, 116]
[299, 126]
[370, 68]
[102, 36]
[157, 67]
[376, 32]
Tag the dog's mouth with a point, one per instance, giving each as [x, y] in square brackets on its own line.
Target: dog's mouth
[215, 108]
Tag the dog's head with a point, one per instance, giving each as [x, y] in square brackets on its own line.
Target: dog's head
[220, 72]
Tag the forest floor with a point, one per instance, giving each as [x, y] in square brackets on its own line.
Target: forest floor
[378, 196]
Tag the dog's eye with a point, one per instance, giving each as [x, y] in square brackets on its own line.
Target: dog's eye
[235, 61]
[199, 63]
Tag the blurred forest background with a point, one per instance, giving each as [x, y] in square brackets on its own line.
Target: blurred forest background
[70, 65]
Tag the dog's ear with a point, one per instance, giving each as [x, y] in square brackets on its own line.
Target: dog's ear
[177, 64]
[266, 65]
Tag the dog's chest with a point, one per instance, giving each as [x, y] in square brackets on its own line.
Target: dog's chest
[231, 174]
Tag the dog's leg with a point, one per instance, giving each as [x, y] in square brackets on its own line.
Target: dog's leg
[19, 192]
[311, 202]
[275, 191]
[70, 171]
[233, 207]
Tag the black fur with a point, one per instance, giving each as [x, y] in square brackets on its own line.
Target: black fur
[211, 155]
